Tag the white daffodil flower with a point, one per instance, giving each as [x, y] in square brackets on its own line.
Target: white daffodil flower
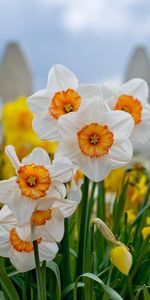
[74, 192]
[38, 183]
[16, 244]
[96, 138]
[61, 96]
[131, 97]
[49, 223]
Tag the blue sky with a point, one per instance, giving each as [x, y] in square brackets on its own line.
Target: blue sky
[94, 38]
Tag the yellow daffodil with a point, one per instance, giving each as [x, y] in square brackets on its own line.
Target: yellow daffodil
[131, 215]
[146, 230]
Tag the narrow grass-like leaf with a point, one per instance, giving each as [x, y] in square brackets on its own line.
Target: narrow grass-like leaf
[112, 293]
[70, 287]
[146, 294]
[53, 267]
[8, 286]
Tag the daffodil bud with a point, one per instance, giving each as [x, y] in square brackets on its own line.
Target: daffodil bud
[121, 258]
[105, 231]
[119, 253]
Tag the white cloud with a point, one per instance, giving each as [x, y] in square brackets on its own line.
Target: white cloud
[103, 16]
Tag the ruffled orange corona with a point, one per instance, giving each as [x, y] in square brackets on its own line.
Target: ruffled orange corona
[20, 245]
[95, 140]
[40, 217]
[33, 181]
[64, 102]
[130, 105]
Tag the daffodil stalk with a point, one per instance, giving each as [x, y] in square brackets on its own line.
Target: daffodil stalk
[38, 272]
[83, 224]
[65, 251]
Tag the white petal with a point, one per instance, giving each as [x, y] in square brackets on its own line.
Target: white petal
[25, 232]
[137, 88]
[60, 79]
[74, 192]
[120, 123]
[69, 149]
[95, 169]
[47, 250]
[141, 133]
[109, 93]
[88, 90]
[92, 110]
[46, 127]
[62, 169]
[4, 242]
[11, 153]
[38, 156]
[39, 102]
[6, 189]
[66, 206]
[23, 261]
[21, 207]
[7, 217]
[57, 191]
[53, 230]
[146, 113]
[121, 153]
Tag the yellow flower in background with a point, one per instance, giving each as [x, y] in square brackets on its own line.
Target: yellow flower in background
[146, 230]
[113, 182]
[16, 116]
[131, 215]
[137, 188]
[17, 131]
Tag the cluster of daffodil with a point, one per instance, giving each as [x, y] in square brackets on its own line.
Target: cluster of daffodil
[96, 127]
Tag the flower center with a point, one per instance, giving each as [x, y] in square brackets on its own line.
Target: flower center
[68, 107]
[39, 217]
[20, 245]
[130, 105]
[95, 140]
[64, 102]
[33, 180]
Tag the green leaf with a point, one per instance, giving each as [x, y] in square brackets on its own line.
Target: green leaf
[70, 287]
[146, 294]
[53, 267]
[112, 293]
[8, 286]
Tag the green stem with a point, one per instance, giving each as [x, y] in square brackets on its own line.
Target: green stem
[92, 259]
[101, 201]
[65, 251]
[83, 232]
[38, 271]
